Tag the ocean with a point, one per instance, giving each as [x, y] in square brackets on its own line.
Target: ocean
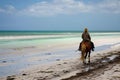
[23, 49]
[27, 38]
[11, 39]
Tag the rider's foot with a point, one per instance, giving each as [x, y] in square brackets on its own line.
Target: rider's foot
[92, 49]
[79, 49]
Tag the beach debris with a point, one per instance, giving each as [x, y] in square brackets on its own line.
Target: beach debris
[47, 53]
[56, 75]
[117, 71]
[24, 74]
[44, 71]
[57, 59]
[65, 63]
[39, 78]
[4, 61]
[66, 71]
[58, 64]
[10, 78]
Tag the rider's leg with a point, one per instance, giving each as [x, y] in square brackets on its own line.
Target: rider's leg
[92, 46]
[89, 57]
[80, 46]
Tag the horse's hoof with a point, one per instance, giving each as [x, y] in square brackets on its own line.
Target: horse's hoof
[89, 62]
[84, 62]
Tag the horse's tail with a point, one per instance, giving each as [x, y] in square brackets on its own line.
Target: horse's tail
[83, 49]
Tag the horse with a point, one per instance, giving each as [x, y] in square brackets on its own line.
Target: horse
[86, 48]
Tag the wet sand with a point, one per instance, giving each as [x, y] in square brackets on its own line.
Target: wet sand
[105, 65]
[101, 69]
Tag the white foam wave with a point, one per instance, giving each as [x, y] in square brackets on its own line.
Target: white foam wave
[26, 37]
[30, 37]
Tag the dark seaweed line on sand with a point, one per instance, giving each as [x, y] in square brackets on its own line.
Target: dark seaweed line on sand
[98, 65]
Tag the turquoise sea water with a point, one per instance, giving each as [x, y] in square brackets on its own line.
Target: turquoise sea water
[24, 39]
[34, 38]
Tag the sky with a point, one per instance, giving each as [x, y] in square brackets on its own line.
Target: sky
[100, 15]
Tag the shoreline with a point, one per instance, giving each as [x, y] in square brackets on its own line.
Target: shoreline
[60, 68]
[15, 62]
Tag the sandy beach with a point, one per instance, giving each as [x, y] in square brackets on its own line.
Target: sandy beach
[104, 65]
[57, 59]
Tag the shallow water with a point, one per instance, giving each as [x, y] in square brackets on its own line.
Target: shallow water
[15, 63]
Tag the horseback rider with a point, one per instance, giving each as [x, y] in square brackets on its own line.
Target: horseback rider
[86, 37]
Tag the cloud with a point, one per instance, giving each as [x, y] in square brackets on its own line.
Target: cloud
[109, 6]
[9, 9]
[57, 7]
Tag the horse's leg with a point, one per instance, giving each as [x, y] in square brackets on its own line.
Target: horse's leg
[85, 56]
[89, 58]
